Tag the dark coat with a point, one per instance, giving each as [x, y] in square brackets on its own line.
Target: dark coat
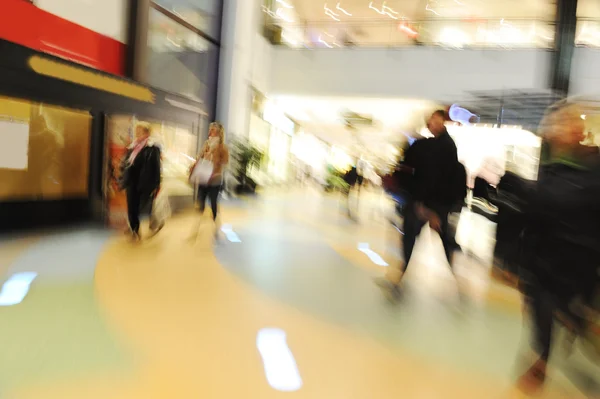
[549, 230]
[144, 174]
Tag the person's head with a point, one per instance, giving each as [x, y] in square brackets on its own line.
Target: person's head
[142, 131]
[562, 127]
[216, 130]
[436, 122]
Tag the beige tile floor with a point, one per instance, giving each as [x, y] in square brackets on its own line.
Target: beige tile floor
[185, 324]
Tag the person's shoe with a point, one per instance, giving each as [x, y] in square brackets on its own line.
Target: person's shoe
[532, 382]
[156, 229]
[135, 237]
[390, 290]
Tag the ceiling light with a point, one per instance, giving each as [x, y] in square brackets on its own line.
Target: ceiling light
[280, 14]
[324, 42]
[427, 8]
[283, 3]
[342, 10]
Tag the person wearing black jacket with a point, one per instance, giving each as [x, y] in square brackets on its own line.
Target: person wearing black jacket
[560, 267]
[141, 175]
[429, 177]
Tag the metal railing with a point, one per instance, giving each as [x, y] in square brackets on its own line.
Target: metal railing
[480, 33]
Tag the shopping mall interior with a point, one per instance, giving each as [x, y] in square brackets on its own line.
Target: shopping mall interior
[282, 294]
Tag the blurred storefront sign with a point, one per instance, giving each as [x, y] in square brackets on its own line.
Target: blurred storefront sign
[23, 23]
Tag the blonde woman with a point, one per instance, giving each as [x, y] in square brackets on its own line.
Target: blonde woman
[562, 239]
[140, 177]
[215, 151]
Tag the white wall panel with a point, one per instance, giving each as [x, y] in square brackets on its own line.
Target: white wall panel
[107, 17]
[418, 72]
[585, 72]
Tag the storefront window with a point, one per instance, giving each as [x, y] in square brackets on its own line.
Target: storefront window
[180, 60]
[204, 15]
[44, 151]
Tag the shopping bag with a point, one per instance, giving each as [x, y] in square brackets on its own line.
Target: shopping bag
[161, 208]
[201, 173]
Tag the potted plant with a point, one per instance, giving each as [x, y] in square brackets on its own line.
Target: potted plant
[245, 156]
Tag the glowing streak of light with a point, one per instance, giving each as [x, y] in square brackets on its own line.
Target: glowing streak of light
[408, 30]
[427, 8]
[280, 366]
[16, 288]
[388, 9]
[333, 16]
[280, 14]
[373, 256]
[329, 12]
[375, 8]
[283, 3]
[459, 2]
[269, 12]
[342, 10]
[324, 42]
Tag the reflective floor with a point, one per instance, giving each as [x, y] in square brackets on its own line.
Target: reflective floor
[282, 304]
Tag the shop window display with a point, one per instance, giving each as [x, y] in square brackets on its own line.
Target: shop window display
[45, 151]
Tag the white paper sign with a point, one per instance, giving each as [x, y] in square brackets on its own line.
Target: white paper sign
[14, 145]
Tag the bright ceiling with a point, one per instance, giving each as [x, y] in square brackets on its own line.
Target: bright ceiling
[323, 117]
[360, 10]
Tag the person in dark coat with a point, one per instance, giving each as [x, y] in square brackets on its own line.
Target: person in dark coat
[141, 178]
[562, 239]
[429, 177]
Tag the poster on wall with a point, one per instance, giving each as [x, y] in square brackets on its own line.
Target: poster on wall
[45, 151]
[178, 147]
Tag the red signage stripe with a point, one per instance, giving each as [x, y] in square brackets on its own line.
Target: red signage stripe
[23, 23]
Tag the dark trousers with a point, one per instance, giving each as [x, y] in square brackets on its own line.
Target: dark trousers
[213, 193]
[413, 226]
[542, 306]
[137, 203]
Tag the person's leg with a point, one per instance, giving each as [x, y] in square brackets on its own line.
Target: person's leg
[202, 194]
[133, 210]
[213, 193]
[447, 236]
[412, 229]
[541, 308]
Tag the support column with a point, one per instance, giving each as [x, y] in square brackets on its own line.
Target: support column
[239, 31]
[137, 40]
[566, 24]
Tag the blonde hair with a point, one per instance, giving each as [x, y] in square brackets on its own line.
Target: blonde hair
[146, 126]
[220, 130]
[554, 116]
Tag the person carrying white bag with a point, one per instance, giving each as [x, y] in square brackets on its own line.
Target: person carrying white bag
[207, 172]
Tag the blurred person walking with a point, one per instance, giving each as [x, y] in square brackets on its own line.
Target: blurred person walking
[215, 153]
[560, 270]
[434, 182]
[353, 179]
[140, 177]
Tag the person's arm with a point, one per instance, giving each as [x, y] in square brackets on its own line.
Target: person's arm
[225, 155]
[156, 168]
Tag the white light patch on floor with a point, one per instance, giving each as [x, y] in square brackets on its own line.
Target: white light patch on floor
[16, 288]
[279, 363]
[374, 256]
[230, 234]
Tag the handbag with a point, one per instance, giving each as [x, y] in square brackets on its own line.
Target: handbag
[201, 173]
[161, 208]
